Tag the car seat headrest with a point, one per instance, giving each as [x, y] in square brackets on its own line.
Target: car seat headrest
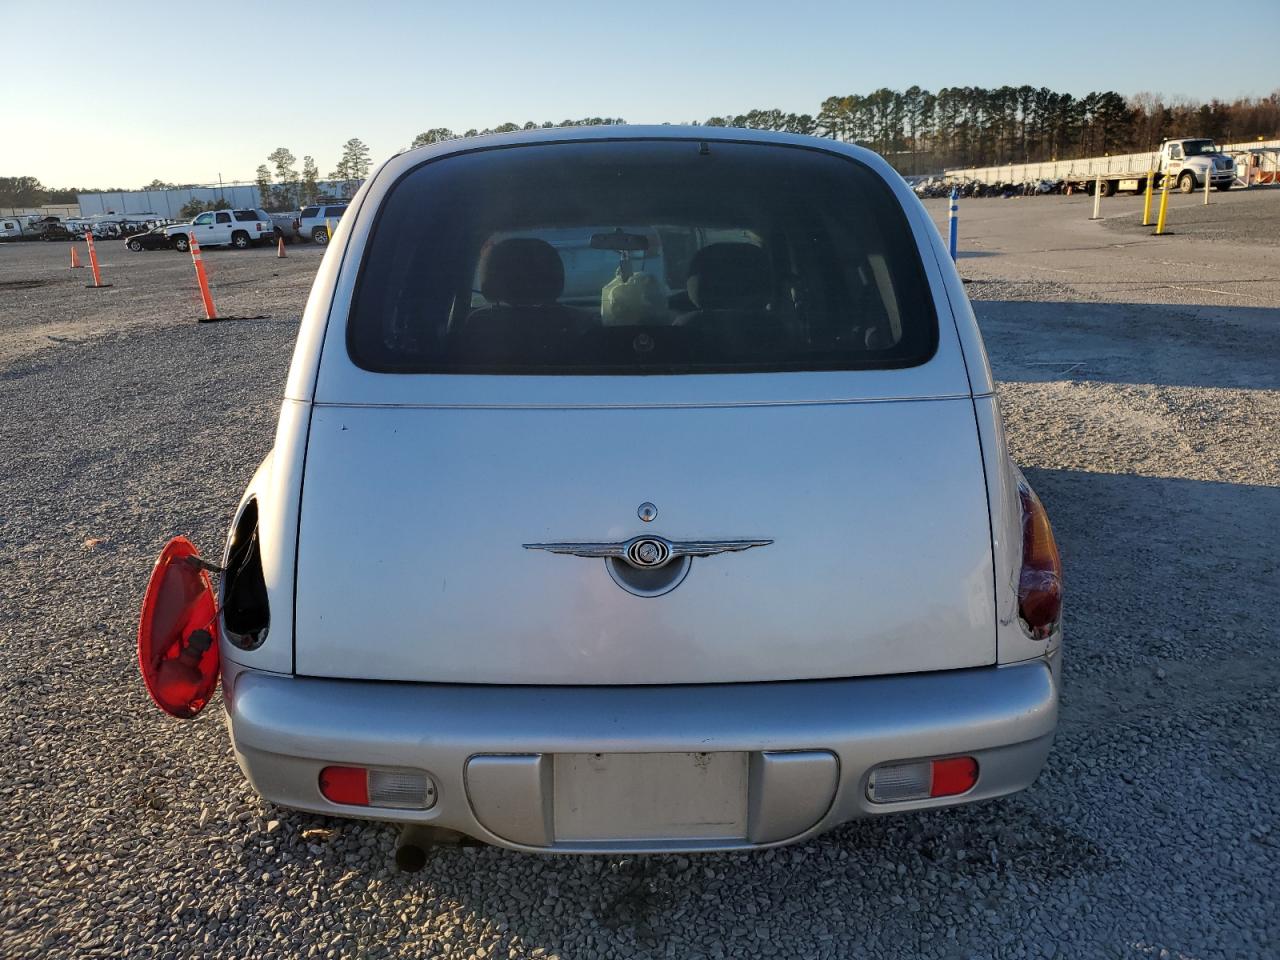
[522, 271]
[729, 276]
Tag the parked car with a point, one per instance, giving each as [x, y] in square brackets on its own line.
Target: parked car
[54, 231]
[744, 564]
[317, 220]
[154, 239]
[10, 229]
[236, 228]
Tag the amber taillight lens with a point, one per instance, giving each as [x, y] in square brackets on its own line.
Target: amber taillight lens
[1040, 582]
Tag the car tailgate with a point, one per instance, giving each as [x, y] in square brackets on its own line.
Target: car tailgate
[412, 563]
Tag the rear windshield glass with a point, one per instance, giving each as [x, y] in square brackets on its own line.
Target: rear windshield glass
[640, 257]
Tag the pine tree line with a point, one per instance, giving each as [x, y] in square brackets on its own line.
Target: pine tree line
[920, 131]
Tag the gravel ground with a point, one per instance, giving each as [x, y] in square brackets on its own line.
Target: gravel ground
[1236, 216]
[1142, 393]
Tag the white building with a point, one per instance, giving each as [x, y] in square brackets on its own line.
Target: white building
[166, 204]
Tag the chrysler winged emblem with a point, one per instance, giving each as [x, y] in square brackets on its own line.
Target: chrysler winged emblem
[648, 552]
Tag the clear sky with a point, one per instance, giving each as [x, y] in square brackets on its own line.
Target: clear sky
[121, 92]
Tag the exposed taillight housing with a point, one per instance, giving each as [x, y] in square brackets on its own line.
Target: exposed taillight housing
[1040, 580]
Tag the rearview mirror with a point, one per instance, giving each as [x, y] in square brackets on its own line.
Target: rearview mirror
[620, 242]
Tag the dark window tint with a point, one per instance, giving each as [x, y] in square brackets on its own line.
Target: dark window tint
[309, 212]
[638, 257]
[244, 215]
[224, 217]
[334, 211]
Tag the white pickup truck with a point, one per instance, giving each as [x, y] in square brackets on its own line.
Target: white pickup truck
[236, 228]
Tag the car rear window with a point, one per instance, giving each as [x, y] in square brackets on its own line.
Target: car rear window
[309, 212]
[640, 257]
[334, 211]
[243, 215]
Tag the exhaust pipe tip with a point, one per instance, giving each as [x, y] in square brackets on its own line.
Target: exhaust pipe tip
[410, 857]
[417, 841]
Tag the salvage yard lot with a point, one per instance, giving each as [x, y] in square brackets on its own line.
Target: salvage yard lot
[1140, 380]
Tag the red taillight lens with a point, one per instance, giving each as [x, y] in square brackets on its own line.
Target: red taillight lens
[349, 785]
[953, 776]
[1040, 583]
[178, 632]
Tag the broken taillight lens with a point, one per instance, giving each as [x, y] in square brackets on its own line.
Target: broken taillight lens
[1040, 581]
[178, 632]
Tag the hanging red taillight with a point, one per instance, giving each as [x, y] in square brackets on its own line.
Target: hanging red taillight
[178, 632]
[1040, 582]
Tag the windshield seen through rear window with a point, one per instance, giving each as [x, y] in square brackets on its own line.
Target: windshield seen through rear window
[639, 257]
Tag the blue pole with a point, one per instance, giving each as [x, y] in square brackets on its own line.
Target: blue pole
[953, 220]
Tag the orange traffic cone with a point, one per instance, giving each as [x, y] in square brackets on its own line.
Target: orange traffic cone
[75, 260]
[202, 279]
[280, 254]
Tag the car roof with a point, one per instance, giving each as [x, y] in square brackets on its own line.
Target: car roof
[624, 131]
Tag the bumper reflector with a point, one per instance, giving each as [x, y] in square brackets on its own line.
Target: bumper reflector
[362, 787]
[408, 789]
[922, 779]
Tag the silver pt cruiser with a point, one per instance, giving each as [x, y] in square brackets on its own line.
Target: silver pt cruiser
[634, 489]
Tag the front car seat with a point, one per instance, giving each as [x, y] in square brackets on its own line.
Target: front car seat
[522, 278]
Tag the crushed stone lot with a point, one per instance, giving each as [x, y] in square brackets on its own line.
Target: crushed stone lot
[1140, 379]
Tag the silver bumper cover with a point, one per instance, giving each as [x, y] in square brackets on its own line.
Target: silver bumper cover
[490, 749]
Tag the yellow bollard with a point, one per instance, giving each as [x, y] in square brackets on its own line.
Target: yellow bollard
[1146, 204]
[328, 228]
[1164, 202]
[1208, 177]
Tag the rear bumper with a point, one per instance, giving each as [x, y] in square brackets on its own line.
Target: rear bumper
[285, 729]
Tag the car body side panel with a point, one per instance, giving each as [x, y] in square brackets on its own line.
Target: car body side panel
[301, 384]
[981, 382]
[276, 486]
[412, 564]
[1006, 537]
